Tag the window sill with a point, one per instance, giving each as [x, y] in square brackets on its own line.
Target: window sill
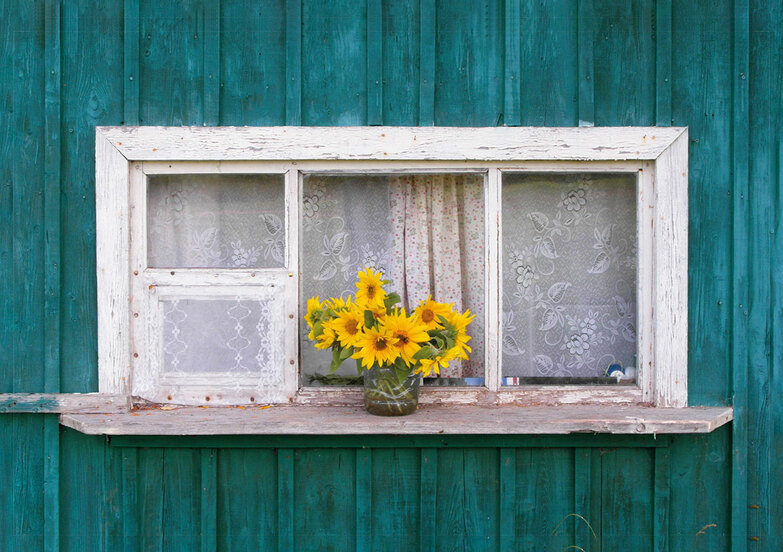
[427, 420]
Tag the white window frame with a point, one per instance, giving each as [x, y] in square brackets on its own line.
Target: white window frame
[659, 156]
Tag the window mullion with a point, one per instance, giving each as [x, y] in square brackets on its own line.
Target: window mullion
[493, 279]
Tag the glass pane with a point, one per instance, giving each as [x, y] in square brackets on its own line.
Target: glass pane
[425, 232]
[569, 278]
[216, 221]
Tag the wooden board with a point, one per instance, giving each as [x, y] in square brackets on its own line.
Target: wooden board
[286, 420]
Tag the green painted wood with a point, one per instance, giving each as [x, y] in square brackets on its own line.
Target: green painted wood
[469, 64]
[285, 499]
[740, 274]
[774, 475]
[586, 69]
[293, 56]
[111, 493]
[428, 503]
[663, 62]
[374, 62]
[624, 63]
[331, 95]
[427, 41]
[181, 492]
[508, 497]
[364, 500]
[81, 492]
[171, 60]
[386, 441]
[325, 498]
[662, 467]
[131, 42]
[92, 94]
[247, 495]
[583, 492]
[512, 63]
[549, 58]
[208, 522]
[401, 82]
[396, 504]
[151, 489]
[253, 64]
[130, 504]
[701, 99]
[212, 62]
[627, 500]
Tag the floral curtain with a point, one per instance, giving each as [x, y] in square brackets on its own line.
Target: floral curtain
[569, 274]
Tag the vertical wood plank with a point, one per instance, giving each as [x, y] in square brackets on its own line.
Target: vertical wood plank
[401, 53]
[363, 499]
[374, 62]
[493, 245]
[208, 500]
[427, 62]
[661, 500]
[293, 58]
[585, 39]
[508, 497]
[740, 221]
[583, 493]
[511, 106]
[285, 500]
[131, 39]
[775, 451]
[211, 62]
[130, 507]
[663, 62]
[111, 498]
[151, 490]
[429, 500]
[51, 481]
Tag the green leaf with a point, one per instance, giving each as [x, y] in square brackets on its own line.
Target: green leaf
[391, 300]
[424, 352]
[345, 353]
[369, 319]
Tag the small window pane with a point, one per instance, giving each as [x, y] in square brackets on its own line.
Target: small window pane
[569, 277]
[425, 232]
[216, 221]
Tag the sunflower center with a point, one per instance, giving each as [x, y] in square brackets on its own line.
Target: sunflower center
[370, 291]
[401, 338]
[352, 327]
[427, 316]
[380, 344]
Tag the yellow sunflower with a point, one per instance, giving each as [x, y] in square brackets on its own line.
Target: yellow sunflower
[408, 331]
[376, 347]
[327, 337]
[428, 312]
[433, 365]
[314, 310]
[348, 325]
[339, 304]
[370, 294]
[460, 323]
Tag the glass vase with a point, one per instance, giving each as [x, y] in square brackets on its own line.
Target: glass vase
[387, 393]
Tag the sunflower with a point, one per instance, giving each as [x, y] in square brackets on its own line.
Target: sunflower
[370, 294]
[408, 331]
[430, 365]
[313, 316]
[376, 347]
[348, 325]
[338, 303]
[327, 337]
[460, 323]
[428, 312]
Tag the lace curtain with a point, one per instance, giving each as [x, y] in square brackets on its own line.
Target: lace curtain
[569, 274]
[425, 232]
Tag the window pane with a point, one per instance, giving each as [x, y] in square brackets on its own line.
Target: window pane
[216, 221]
[423, 231]
[569, 277]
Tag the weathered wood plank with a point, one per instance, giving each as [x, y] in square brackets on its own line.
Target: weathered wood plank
[364, 500]
[208, 523]
[212, 39]
[285, 499]
[401, 56]
[130, 505]
[396, 507]
[389, 143]
[663, 62]
[46, 403]
[586, 40]
[428, 503]
[293, 62]
[374, 62]
[427, 36]
[427, 420]
[132, 68]
[661, 493]
[508, 496]
[740, 160]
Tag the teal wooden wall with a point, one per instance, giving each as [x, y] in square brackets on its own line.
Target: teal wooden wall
[715, 66]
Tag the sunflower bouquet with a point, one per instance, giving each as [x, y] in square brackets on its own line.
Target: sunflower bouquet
[372, 328]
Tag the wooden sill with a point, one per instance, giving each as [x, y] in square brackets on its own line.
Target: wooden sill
[427, 420]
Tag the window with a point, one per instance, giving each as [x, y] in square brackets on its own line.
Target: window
[570, 246]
